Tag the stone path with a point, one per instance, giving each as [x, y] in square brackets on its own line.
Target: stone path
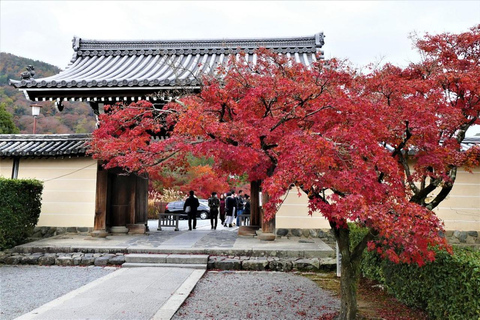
[128, 293]
[185, 239]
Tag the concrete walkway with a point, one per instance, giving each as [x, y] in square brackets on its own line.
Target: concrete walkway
[128, 293]
[152, 292]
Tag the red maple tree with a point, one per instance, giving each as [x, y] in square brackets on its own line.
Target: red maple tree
[379, 149]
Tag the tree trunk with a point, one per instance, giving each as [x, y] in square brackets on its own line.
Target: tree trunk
[348, 291]
[267, 226]
[349, 277]
[351, 259]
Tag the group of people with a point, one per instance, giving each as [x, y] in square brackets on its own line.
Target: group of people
[229, 206]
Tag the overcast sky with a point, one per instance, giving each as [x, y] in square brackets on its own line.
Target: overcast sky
[361, 31]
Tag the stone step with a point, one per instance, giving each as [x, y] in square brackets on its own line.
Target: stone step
[202, 266]
[139, 258]
[145, 258]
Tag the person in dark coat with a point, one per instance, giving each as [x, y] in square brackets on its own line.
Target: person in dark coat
[247, 206]
[214, 204]
[193, 203]
[222, 209]
[240, 205]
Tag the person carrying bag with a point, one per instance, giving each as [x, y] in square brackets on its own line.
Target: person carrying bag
[190, 207]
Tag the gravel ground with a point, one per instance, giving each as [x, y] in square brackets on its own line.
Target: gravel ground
[25, 288]
[257, 295]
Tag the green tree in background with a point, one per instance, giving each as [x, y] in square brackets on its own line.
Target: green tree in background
[77, 117]
[6, 121]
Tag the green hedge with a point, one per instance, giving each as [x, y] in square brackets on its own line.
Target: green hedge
[20, 203]
[448, 288]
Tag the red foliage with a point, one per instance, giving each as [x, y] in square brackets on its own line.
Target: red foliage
[204, 181]
[344, 137]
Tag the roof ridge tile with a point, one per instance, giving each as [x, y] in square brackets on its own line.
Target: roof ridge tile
[312, 42]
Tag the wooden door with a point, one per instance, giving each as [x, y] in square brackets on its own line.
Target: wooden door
[120, 199]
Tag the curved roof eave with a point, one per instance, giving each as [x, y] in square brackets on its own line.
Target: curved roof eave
[106, 67]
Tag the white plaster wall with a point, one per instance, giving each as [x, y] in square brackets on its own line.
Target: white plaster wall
[6, 166]
[293, 214]
[68, 198]
[459, 211]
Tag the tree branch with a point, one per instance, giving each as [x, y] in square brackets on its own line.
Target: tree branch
[445, 190]
[360, 247]
[402, 145]
[420, 196]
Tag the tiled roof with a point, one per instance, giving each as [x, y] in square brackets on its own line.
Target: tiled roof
[469, 142]
[39, 145]
[104, 65]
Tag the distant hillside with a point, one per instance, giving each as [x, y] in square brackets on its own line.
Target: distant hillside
[12, 66]
[77, 117]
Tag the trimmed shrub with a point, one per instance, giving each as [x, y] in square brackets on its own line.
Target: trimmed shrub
[448, 288]
[20, 204]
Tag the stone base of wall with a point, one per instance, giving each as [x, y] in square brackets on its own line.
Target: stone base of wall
[270, 263]
[326, 235]
[463, 238]
[214, 262]
[47, 232]
[62, 259]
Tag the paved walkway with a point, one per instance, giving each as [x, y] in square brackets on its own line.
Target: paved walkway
[153, 293]
[128, 293]
[203, 240]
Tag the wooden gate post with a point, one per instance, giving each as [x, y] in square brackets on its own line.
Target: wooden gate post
[255, 204]
[101, 196]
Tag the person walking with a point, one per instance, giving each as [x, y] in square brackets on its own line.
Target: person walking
[214, 204]
[240, 206]
[246, 211]
[235, 206]
[190, 207]
[230, 204]
[222, 209]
